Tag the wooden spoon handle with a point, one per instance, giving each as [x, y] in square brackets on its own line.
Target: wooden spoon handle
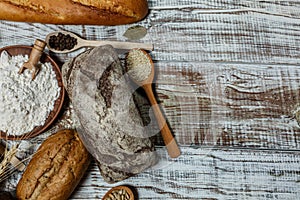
[169, 140]
[118, 45]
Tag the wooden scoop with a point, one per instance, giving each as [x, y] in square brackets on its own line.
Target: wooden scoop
[146, 84]
[90, 43]
[34, 58]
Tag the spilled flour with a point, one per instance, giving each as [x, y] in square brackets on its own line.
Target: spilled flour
[25, 104]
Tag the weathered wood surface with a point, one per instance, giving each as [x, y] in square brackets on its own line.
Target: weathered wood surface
[211, 174]
[228, 82]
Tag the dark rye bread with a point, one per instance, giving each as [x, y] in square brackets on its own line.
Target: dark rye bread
[109, 122]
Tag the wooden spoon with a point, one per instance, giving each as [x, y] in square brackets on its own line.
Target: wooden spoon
[94, 43]
[146, 84]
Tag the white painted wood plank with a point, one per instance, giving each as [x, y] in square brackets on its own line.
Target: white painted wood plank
[242, 105]
[210, 173]
[276, 7]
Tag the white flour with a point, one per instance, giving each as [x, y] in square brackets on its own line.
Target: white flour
[25, 104]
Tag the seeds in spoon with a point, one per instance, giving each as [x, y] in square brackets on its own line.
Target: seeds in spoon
[118, 195]
[62, 42]
[138, 65]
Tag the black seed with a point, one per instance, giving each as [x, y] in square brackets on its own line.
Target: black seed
[62, 42]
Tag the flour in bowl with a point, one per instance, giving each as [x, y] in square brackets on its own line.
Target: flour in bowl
[25, 103]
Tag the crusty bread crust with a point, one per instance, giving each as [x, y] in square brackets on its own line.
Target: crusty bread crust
[56, 168]
[111, 126]
[90, 12]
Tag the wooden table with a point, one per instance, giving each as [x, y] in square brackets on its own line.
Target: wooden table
[228, 82]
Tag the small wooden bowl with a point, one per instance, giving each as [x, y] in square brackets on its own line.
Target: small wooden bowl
[26, 50]
[121, 187]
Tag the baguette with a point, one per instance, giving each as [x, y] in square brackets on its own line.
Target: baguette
[56, 168]
[89, 12]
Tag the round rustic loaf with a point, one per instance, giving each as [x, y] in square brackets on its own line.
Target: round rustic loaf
[55, 169]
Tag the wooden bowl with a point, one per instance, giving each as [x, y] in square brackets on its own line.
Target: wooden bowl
[25, 50]
[118, 188]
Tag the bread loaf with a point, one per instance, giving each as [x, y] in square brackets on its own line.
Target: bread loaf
[92, 12]
[110, 124]
[56, 168]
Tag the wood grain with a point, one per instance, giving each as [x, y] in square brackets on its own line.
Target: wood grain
[237, 104]
[228, 82]
[203, 173]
